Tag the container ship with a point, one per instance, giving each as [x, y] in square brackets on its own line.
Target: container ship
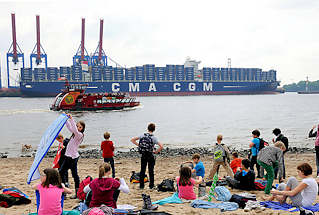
[96, 72]
[149, 80]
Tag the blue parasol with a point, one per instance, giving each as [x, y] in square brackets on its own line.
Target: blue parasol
[46, 141]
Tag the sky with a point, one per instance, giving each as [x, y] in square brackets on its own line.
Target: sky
[267, 34]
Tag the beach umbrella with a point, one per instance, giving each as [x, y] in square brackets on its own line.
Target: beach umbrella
[46, 141]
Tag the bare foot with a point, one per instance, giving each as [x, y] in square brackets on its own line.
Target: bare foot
[268, 198]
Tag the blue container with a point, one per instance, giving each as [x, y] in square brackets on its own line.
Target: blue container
[130, 74]
[139, 73]
[189, 73]
[65, 72]
[118, 74]
[107, 73]
[26, 74]
[160, 73]
[52, 73]
[149, 72]
[39, 74]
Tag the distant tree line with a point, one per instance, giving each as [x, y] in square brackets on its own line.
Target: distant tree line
[301, 86]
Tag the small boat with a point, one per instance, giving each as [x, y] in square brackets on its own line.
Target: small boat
[75, 99]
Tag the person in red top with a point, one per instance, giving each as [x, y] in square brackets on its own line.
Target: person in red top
[105, 190]
[235, 165]
[107, 148]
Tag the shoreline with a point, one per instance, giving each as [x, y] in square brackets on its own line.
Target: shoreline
[14, 171]
[166, 152]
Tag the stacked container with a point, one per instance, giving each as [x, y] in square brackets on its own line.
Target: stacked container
[189, 73]
[107, 73]
[26, 74]
[65, 72]
[216, 74]
[39, 74]
[130, 74]
[207, 74]
[272, 75]
[118, 74]
[149, 72]
[97, 72]
[139, 73]
[52, 74]
[160, 73]
[179, 71]
[76, 73]
[258, 75]
[170, 72]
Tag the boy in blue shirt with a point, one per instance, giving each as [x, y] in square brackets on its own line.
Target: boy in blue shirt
[254, 147]
[199, 168]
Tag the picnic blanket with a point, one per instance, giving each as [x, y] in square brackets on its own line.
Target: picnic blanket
[287, 207]
[172, 199]
[224, 206]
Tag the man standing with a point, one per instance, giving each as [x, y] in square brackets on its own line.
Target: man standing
[254, 147]
[146, 144]
[282, 138]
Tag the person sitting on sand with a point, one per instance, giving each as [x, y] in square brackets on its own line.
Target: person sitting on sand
[235, 165]
[199, 168]
[50, 189]
[270, 157]
[185, 184]
[105, 190]
[221, 157]
[301, 194]
[244, 178]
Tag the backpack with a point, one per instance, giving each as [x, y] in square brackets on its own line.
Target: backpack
[146, 144]
[262, 143]
[167, 185]
[219, 153]
[80, 194]
[135, 177]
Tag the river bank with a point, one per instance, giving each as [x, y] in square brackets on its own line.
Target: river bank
[14, 171]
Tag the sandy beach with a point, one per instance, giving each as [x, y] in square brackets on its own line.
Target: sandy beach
[13, 172]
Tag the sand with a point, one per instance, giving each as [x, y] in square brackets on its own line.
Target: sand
[13, 172]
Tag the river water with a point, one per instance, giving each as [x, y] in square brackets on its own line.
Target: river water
[188, 121]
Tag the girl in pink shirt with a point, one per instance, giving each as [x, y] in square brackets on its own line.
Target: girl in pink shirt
[50, 190]
[185, 184]
[71, 152]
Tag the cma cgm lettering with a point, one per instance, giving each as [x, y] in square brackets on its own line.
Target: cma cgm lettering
[161, 87]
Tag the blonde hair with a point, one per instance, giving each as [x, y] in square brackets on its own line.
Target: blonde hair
[104, 168]
[219, 137]
[280, 145]
[107, 135]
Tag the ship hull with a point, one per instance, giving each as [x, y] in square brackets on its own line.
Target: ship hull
[155, 88]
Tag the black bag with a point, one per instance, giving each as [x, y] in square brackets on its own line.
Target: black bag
[135, 177]
[146, 144]
[262, 143]
[240, 200]
[167, 185]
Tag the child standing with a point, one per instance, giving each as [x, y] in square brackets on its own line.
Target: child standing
[108, 151]
[221, 157]
[185, 184]
[50, 190]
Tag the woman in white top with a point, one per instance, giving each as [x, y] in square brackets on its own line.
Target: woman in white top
[301, 194]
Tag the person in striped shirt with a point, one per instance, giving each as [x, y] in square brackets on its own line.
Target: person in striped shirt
[269, 158]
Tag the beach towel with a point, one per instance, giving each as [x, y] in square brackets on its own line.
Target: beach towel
[13, 196]
[172, 199]
[287, 207]
[223, 206]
